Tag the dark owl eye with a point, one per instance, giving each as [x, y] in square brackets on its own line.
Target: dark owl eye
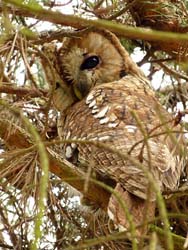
[90, 63]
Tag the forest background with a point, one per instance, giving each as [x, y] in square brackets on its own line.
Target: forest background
[36, 209]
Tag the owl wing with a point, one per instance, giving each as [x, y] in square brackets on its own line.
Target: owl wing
[124, 116]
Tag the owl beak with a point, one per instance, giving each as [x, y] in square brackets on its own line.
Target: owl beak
[81, 89]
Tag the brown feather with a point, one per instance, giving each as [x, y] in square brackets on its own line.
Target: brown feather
[122, 113]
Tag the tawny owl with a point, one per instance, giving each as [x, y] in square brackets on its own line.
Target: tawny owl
[117, 108]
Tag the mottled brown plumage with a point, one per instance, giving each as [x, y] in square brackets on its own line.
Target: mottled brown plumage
[63, 95]
[107, 115]
[117, 108]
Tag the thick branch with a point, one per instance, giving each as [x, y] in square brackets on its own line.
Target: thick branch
[20, 91]
[38, 12]
[16, 137]
[66, 171]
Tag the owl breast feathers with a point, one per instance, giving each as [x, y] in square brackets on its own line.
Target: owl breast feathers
[119, 120]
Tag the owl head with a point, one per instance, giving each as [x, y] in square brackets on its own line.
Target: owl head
[93, 58]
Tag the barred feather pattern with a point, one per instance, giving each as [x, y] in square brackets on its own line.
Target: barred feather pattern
[118, 129]
[121, 115]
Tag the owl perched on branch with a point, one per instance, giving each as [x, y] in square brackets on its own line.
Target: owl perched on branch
[123, 130]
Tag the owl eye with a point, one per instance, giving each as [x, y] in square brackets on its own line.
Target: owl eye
[90, 63]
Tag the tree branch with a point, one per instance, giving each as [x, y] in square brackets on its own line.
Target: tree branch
[163, 15]
[20, 91]
[14, 135]
[55, 17]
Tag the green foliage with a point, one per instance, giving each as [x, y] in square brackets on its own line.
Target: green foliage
[36, 210]
[128, 45]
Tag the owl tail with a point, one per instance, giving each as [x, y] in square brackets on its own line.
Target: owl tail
[141, 211]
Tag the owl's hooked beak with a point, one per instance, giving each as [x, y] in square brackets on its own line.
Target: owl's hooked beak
[83, 84]
[81, 89]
